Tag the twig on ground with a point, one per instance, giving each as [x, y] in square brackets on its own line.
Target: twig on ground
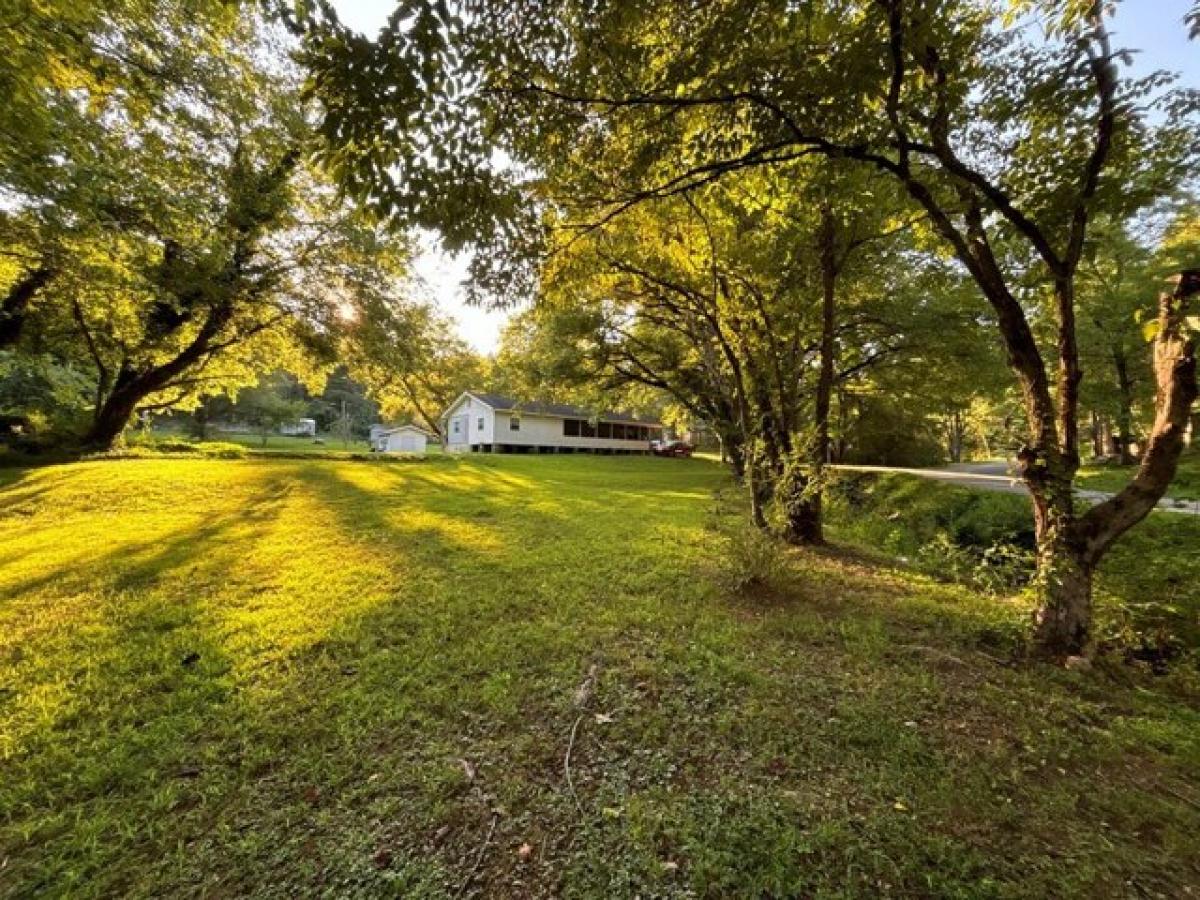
[932, 651]
[950, 657]
[479, 856]
[567, 765]
[583, 693]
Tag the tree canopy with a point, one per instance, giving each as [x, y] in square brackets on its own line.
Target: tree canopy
[169, 236]
[1009, 132]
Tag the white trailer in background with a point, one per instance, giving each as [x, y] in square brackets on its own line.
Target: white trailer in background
[299, 428]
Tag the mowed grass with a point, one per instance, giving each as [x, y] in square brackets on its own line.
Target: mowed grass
[1113, 477]
[289, 677]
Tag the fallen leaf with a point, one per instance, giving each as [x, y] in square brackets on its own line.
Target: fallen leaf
[525, 851]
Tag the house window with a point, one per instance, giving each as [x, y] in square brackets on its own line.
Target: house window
[479, 423]
[456, 425]
[514, 423]
[605, 430]
[587, 429]
[571, 427]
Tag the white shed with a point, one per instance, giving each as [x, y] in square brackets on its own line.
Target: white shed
[490, 423]
[403, 439]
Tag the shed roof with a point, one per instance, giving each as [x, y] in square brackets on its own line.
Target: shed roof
[398, 428]
[501, 403]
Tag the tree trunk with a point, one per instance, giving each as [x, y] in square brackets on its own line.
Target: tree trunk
[799, 497]
[759, 487]
[805, 522]
[1125, 412]
[734, 452]
[837, 448]
[956, 435]
[1064, 618]
[111, 419]
[1070, 547]
[1062, 623]
[200, 420]
[16, 304]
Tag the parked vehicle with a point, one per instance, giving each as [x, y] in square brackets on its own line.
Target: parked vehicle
[671, 448]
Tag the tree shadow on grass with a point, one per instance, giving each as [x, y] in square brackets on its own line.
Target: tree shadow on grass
[174, 722]
[333, 764]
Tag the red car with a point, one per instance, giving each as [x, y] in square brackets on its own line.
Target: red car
[671, 448]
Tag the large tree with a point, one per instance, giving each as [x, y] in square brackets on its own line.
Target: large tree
[70, 71]
[1009, 143]
[170, 234]
[748, 303]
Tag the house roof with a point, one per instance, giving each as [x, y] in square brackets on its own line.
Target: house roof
[501, 403]
[415, 428]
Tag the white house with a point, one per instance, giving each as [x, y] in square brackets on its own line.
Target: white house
[402, 439]
[488, 423]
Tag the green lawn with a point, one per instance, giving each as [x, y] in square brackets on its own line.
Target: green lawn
[1186, 485]
[297, 677]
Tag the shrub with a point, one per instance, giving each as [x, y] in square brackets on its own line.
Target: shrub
[751, 559]
[152, 449]
[998, 569]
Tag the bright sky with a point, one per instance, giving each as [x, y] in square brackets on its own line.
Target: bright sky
[1154, 26]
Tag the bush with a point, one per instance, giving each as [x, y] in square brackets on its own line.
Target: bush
[751, 559]
[153, 449]
[901, 514]
[998, 569]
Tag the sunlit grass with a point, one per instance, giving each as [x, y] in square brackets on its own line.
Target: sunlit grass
[263, 677]
[1111, 477]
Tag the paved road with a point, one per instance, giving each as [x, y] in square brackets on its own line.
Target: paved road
[997, 476]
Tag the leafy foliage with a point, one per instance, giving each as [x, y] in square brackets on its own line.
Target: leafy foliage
[169, 234]
[605, 108]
